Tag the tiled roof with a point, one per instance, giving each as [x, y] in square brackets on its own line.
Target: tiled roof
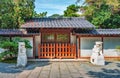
[108, 31]
[100, 32]
[73, 22]
[12, 31]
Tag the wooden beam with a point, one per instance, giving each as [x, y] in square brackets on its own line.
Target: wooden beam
[60, 30]
[102, 44]
[34, 47]
[78, 54]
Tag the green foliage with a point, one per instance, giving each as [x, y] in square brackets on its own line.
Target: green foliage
[4, 38]
[43, 14]
[71, 11]
[6, 13]
[112, 22]
[18, 39]
[102, 13]
[9, 60]
[11, 47]
[13, 13]
[27, 44]
[26, 8]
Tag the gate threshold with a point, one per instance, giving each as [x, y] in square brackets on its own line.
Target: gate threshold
[58, 60]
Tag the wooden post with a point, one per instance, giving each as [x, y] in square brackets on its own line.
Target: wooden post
[79, 47]
[102, 44]
[34, 48]
[39, 51]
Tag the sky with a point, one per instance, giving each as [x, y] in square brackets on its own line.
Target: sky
[52, 6]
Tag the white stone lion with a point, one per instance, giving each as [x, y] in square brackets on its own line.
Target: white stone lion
[22, 57]
[97, 56]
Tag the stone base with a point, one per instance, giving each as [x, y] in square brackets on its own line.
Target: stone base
[21, 61]
[101, 60]
[98, 61]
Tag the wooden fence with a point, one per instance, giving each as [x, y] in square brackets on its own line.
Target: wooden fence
[56, 50]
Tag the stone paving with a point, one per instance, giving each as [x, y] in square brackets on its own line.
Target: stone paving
[61, 70]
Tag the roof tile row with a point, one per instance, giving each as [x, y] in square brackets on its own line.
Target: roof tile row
[100, 32]
[72, 22]
[12, 31]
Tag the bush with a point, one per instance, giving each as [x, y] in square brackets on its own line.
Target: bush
[11, 47]
[9, 60]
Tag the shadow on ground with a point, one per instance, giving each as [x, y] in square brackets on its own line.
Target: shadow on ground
[11, 68]
[107, 62]
[105, 73]
[118, 64]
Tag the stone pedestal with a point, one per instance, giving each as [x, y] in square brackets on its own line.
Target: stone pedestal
[97, 57]
[22, 57]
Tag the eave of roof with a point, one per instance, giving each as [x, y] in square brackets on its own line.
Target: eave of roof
[99, 32]
[12, 31]
[79, 32]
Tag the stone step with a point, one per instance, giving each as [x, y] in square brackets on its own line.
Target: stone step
[58, 60]
[24, 74]
[35, 73]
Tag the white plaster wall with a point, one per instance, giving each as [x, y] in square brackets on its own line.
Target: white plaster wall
[37, 42]
[73, 39]
[29, 51]
[87, 44]
[109, 46]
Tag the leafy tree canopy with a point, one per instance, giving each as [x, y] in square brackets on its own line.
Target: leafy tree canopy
[13, 13]
[102, 13]
[43, 14]
[71, 11]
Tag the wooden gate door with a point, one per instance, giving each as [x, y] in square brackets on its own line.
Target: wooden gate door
[57, 50]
